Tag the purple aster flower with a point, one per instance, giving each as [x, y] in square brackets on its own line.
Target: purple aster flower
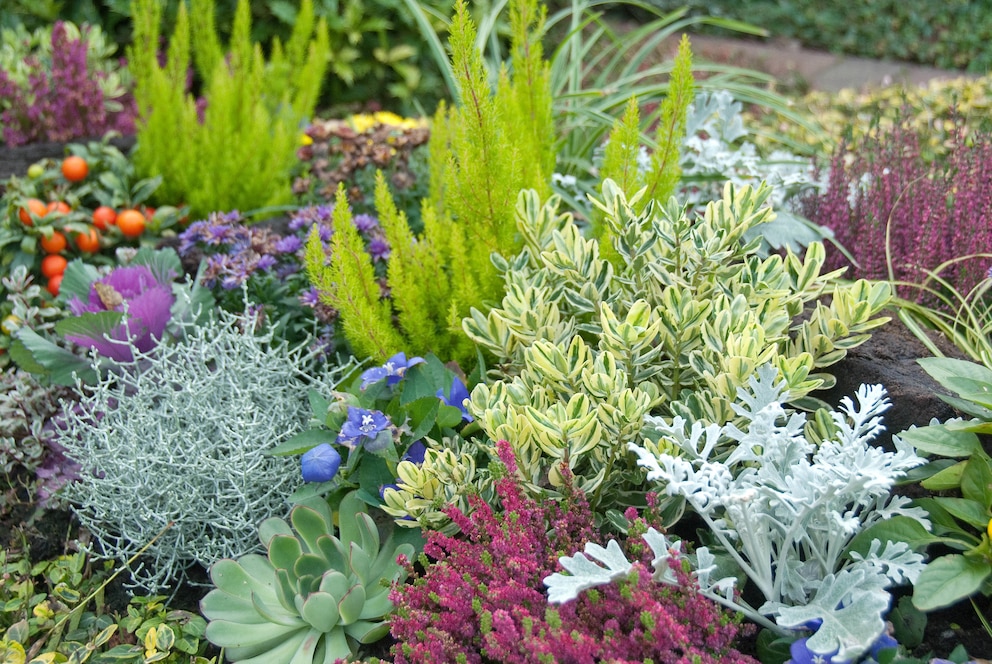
[266, 262]
[320, 464]
[289, 245]
[457, 396]
[379, 249]
[310, 298]
[147, 301]
[365, 223]
[393, 370]
[363, 428]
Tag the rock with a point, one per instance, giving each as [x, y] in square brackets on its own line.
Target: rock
[889, 359]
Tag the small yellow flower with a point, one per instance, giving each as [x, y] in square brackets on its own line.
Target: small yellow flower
[989, 528]
[362, 122]
[305, 139]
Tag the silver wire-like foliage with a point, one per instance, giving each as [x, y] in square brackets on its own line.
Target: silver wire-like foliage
[180, 437]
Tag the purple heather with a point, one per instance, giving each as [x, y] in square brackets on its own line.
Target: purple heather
[479, 600]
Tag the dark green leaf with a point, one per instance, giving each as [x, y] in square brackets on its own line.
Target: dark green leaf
[896, 529]
[772, 648]
[59, 363]
[302, 442]
[422, 413]
[949, 579]
[938, 439]
[976, 481]
[424, 380]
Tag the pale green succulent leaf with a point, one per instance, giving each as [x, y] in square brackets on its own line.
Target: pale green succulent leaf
[249, 638]
[364, 631]
[310, 525]
[284, 550]
[350, 605]
[271, 527]
[334, 583]
[320, 610]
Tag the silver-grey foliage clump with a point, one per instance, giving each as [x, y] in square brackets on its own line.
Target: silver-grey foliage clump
[180, 436]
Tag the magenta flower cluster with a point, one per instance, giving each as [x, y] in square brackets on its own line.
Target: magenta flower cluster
[481, 598]
[64, 103]
[886, 199]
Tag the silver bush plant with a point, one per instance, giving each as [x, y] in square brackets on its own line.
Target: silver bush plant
[180, 437]
[784, 513]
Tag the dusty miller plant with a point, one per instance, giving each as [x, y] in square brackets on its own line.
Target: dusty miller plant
[180, 436]
[782, 510]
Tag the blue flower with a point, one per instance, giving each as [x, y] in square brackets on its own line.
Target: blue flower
[457, 396]
[363, 428]
[801, 654]
[393, 370]
[415, 453]
[320, 464]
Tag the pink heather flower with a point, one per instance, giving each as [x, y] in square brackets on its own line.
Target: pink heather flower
[886, 199]
[480, 598]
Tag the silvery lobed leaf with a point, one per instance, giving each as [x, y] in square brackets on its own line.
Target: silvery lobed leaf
[850, 604]
[584, 573]
[705, 566]
[897, 561]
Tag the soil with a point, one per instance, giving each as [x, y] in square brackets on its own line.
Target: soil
[889, 358]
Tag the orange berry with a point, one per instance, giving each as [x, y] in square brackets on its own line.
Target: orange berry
[53, 265]
[104, 216]
[32, 206]
[58, 206]
[131, 223]
[54, 284]
[88, 242]
[75, 169]
[54, 244]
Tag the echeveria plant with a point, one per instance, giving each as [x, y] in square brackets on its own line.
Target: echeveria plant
[784, 511]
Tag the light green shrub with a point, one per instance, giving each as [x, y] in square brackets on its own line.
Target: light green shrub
[241, 154]
[484, 150]
[585, 349]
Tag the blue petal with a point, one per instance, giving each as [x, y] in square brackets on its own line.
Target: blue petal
[320, 464]
[415, 453]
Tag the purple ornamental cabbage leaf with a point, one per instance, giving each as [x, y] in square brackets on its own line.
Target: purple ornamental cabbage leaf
[144, 301]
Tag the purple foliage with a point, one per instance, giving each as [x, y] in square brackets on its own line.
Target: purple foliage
[938, 210]
[62, 104]
[482, 600]
[146, 301]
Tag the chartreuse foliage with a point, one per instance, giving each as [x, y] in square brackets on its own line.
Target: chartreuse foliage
[484, 150]
[961, 509]
[240, 153]
[317, 595]
[586, 349]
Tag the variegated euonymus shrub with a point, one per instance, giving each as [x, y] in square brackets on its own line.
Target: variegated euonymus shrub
[587, 347]
[803, 522]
